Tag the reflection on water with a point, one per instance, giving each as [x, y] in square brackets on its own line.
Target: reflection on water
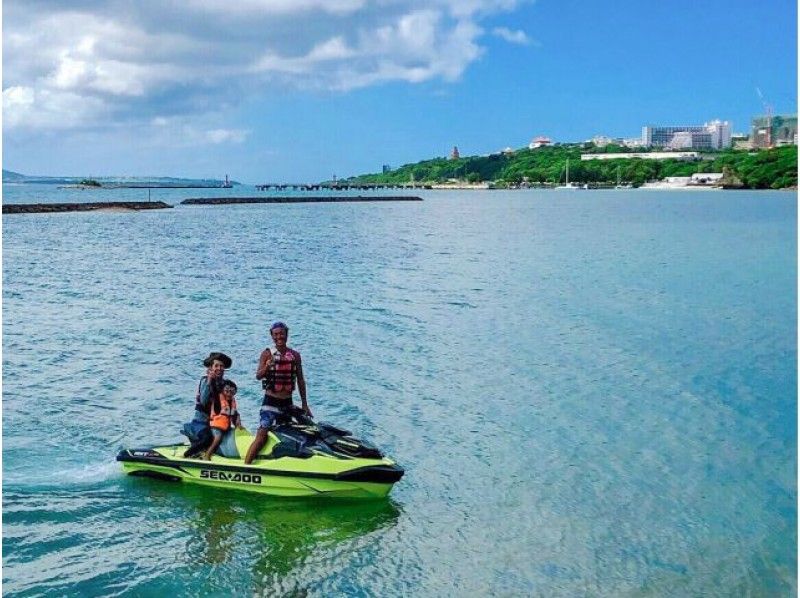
[270, 537]
[160, 537]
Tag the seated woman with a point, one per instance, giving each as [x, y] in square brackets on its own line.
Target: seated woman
[224, 419]
[208, 388]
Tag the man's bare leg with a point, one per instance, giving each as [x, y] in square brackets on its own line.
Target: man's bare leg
[258, 443]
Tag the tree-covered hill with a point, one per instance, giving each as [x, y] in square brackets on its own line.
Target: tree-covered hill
[756, 169]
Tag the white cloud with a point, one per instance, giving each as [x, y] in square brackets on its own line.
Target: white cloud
[17, 97]
[275, 7]
[217, 136]
[333, 49]
[415, 47]
[330, 50]
[183, 131]
[101, 62]
[70, 73]
[48, 109]
[513, 37]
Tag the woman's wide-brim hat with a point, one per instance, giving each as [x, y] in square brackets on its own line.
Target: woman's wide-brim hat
[214, 355]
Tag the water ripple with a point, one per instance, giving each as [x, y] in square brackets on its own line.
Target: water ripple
[589, 397]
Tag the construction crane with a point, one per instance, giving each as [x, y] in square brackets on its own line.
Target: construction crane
[768, 111]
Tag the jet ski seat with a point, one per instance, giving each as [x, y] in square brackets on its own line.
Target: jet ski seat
[300, 440]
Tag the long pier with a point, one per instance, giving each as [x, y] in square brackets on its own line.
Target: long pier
[215, 201]
[339, 186]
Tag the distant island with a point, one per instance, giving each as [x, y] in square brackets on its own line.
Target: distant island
[774, 168]
[115, 182]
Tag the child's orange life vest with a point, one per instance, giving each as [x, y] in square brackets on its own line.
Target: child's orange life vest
[227, 410]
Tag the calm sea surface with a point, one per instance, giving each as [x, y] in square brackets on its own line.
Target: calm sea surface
[593, 393]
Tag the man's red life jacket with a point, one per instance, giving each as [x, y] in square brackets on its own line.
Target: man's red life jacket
[282, 372]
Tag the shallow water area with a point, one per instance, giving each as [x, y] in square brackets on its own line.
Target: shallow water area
[592, 392]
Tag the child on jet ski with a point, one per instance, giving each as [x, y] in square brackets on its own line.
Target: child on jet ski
[223, 418]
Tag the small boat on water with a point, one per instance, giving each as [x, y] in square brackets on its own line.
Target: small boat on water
[300, 459]
[567, 184]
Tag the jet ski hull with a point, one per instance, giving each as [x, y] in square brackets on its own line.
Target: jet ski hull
[317, 475]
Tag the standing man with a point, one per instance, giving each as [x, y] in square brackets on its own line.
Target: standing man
[280, 370]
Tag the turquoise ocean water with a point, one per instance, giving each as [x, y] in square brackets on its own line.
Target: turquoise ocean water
[592, 393]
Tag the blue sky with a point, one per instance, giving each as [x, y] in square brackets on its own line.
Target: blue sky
[300, 90]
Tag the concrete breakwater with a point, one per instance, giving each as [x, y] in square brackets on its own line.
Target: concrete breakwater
[208, 201]
[46, 208]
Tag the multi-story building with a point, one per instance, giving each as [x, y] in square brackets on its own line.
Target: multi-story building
[604, 140]
[711, 135]
[632, 142]
[741, 141]
[783, 130]
[686, 139]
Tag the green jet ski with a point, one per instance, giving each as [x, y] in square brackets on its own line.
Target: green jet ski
[300, 458]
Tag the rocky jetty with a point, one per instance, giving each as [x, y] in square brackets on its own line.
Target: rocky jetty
[214, 201]
[46, 208]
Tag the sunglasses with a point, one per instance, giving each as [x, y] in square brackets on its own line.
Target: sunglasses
[230, 390]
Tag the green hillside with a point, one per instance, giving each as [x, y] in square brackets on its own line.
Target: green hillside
[755, 169]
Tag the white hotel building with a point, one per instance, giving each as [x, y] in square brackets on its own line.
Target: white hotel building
[712, 135]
